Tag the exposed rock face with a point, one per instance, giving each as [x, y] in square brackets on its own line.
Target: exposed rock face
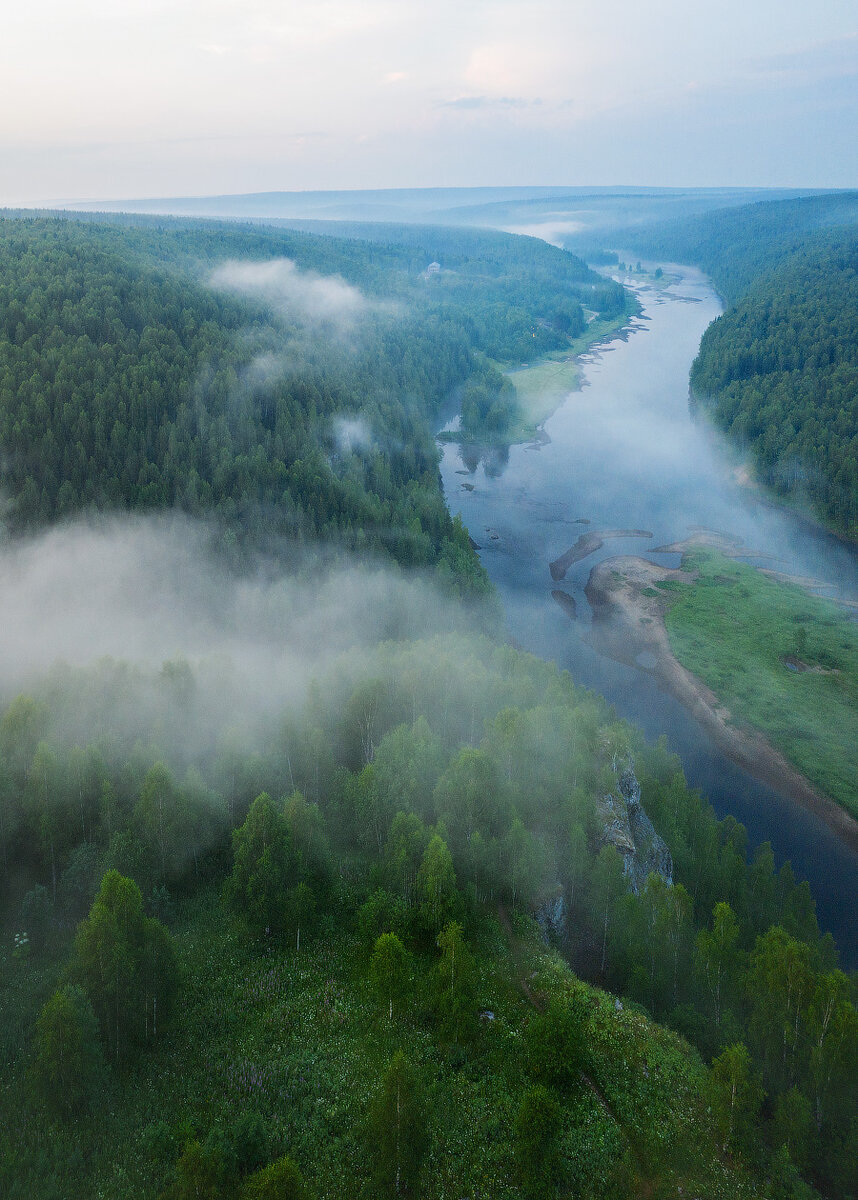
[631, 832]
[551, 917]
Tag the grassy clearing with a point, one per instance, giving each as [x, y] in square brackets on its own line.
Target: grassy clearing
[542, 386]
[781, 659]
[301, 1039]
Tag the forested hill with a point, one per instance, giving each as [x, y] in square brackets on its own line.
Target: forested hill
[779, 370]
[314, 952]
[472, 253]
[295, 400]
[736, 246]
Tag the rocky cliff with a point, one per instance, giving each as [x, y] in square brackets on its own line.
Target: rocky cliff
[627, 827]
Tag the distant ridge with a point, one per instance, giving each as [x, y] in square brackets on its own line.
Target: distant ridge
[497, 207]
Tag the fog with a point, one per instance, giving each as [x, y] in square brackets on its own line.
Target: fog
[319, 300]
[625, 452]
[124, 596]
[352, 434]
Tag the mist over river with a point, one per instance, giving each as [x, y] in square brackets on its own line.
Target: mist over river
[625, 453]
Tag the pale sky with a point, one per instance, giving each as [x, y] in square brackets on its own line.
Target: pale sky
[137, 98]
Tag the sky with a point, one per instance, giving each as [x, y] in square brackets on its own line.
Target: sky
[145, 98]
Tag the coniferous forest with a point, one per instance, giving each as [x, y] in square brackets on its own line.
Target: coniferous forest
[418, 915]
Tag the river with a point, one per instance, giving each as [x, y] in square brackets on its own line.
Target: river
[625, 452]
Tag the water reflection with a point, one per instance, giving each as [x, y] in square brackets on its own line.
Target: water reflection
[494, 459]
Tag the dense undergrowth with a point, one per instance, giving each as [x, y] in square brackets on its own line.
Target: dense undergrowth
[357, 916]
[302, 1040]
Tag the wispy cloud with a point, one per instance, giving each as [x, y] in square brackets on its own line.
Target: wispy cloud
[317, 299]
[352, 434]
[833, 58]
[448, 92]
[466, 103]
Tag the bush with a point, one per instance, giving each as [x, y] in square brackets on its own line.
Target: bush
[280, 1181]
[537, 1132]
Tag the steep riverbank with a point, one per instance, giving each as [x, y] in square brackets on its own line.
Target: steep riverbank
[629, 624]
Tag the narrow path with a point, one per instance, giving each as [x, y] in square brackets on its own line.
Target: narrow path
[538, 1001]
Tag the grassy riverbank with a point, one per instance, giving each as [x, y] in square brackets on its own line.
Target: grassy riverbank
[543, 385]
[781, 659]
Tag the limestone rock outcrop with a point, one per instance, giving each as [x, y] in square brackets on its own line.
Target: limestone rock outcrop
[629, 830]
[626, 827]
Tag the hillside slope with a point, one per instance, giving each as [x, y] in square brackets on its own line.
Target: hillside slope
[329, 888]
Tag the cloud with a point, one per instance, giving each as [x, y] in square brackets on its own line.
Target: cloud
[145, 591]
[264, 370]
[312, 22]
[315, 299]
[478, 102]
[517, 67]
[215, 122]
[140, 640]
[352, 434]
[834, 58]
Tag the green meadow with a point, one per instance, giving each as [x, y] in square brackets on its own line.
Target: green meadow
[781, 659]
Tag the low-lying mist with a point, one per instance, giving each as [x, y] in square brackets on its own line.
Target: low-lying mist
[324, 300]
[127, 595]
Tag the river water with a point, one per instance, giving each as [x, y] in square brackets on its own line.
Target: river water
[625, 452]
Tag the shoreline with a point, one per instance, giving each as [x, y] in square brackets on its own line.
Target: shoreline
[629, 623]
[745, 476]
[546, 400]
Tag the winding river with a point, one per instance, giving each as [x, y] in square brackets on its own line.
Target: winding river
[625, 454]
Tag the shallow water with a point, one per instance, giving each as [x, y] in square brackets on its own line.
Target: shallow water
[625, 452]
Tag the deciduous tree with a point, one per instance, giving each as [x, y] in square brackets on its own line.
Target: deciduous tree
[397, 1129]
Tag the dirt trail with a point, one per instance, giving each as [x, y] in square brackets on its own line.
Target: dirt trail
[537, 1001]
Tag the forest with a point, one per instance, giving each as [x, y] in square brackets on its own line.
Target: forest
[299, 933]
[430, 922]
[778, 371]
[129, 383]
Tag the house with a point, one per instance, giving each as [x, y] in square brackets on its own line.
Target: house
[434, 268]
